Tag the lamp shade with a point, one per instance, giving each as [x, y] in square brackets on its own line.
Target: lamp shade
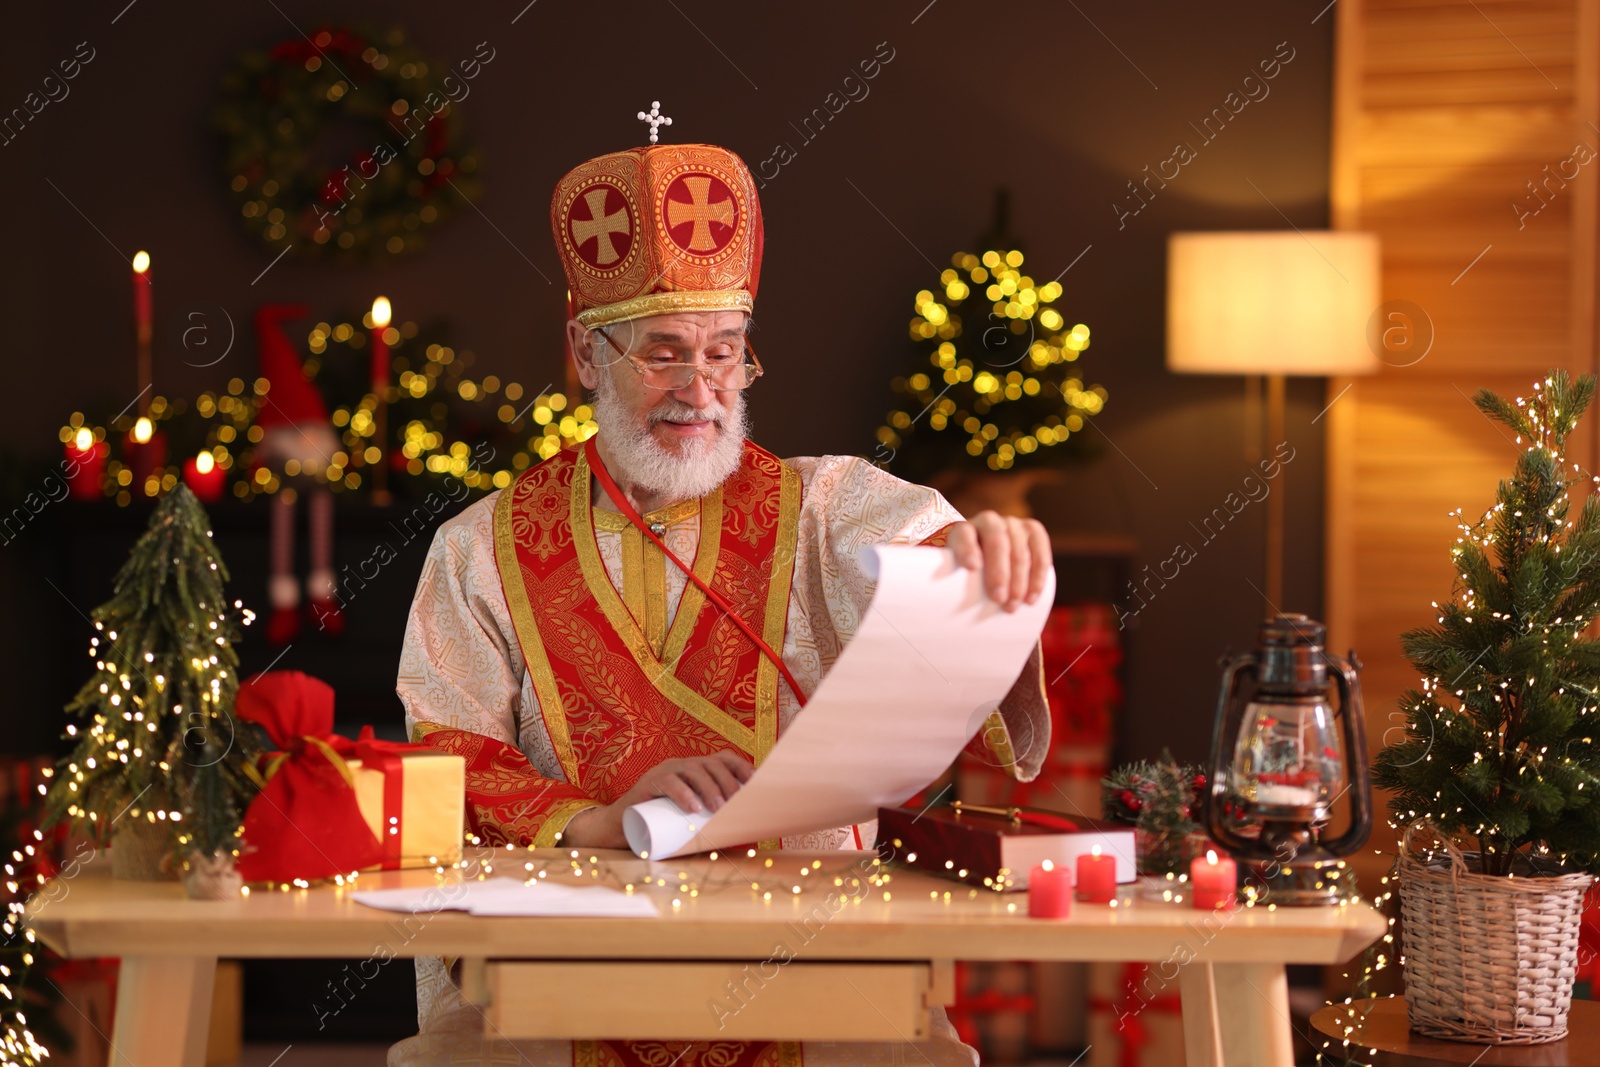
[1290, 302]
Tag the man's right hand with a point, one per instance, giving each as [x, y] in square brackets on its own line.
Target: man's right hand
[696, 783]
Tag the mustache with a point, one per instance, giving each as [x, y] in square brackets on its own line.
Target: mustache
[678, 411]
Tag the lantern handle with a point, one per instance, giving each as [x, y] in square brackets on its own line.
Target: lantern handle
[1223, 739]
[1347, 677]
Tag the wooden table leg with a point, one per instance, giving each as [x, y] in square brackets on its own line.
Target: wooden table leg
[1202, 1029]
[1253, 999]
[163, 1011]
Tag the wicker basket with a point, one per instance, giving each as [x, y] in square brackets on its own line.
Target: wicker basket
[1488, 959]
[139, 851]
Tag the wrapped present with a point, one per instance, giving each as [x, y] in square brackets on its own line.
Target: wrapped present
[1135, 1017]
[992, 1009]
[413, 801]
[329, 805]
[1082, 653]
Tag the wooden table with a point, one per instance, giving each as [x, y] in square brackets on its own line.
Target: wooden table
[1380, 1036]
[850, 957]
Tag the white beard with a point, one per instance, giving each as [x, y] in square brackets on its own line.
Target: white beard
[637, 456]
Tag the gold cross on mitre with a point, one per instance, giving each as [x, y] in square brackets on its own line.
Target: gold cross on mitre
[655, 118]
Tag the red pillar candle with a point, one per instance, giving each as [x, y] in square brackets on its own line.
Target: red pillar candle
[1097, 877]
[85, 465]
[1213, 881]
[381, 365]
[381, 313]
[142, 321]
[204, 478]
[1050, 892]
[144, 450]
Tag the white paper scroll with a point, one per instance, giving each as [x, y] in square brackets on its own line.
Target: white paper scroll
[932, 659]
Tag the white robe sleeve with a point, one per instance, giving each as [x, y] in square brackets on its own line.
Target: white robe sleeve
[457, 667]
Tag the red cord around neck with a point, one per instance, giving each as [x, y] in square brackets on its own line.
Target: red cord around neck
[633, 516]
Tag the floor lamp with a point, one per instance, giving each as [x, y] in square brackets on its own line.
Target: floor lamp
[1272, 303]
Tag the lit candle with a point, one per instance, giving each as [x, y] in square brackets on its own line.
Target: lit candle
[1050, 892]
[1097, 877]
[86, 465]
[381, 313]
[144, 450]
[380, 390]
[1213, 881]
[204, 478]
[142, 320]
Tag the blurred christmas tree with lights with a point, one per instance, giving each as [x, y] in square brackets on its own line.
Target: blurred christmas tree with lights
[158, 743]
[996, 384]
[443, 421]
[1500, 741]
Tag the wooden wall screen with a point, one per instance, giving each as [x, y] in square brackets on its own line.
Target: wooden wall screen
[1447, 113]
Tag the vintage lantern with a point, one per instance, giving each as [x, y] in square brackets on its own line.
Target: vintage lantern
[1282, 755]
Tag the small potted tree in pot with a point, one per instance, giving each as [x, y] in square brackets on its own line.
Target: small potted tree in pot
[1499, 768]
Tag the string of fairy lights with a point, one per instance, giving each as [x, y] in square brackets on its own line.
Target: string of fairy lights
[431, 384]
[18, 1045]
[1050, 403]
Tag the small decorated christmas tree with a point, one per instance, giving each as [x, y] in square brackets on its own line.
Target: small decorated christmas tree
[158, 743]
[1501, 737]
[1159, 799]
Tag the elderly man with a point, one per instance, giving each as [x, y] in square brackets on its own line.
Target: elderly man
[641, 615]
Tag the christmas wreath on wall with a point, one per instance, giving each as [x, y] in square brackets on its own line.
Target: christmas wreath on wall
[282, 110]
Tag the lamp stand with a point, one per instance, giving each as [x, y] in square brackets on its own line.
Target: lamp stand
[1275, 437]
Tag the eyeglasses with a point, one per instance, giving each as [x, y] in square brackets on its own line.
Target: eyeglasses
[670, 377]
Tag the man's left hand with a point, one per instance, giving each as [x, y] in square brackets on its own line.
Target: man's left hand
[1013, 554]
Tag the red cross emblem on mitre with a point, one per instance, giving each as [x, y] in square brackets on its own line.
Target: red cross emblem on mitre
[658, 229]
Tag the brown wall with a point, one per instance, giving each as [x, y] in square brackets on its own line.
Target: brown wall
[1062, 110]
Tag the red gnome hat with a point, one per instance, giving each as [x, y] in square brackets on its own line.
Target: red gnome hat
[293, 400]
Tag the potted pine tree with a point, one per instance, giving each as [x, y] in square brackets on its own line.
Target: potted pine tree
[1500, 765]
[160, 766]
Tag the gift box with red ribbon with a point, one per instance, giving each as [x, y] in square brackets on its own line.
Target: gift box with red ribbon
[1135, 1017]
[329, 805]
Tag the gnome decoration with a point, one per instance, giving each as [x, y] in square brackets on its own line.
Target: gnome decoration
[296, 435]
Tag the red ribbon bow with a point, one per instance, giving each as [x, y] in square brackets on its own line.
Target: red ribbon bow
[305, 822]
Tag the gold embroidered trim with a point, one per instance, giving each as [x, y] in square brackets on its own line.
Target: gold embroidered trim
[556, 820]
[616, 521]
[782, 577]
[997, 735]
[633, 588]
[586, 1054]
[521, 607]
[664, 303]
[662, 677]
[706, 553]
[421, 729]
[655, 594]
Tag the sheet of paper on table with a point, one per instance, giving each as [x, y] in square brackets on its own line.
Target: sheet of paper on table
[509, 897]
[932, 659]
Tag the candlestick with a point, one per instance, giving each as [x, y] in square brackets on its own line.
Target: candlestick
[1050, 892]
[1097, 877]
[381, 313]
[1213, 881]
[204, 478]
[144, 450]
[86, 465]
[142, 320]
